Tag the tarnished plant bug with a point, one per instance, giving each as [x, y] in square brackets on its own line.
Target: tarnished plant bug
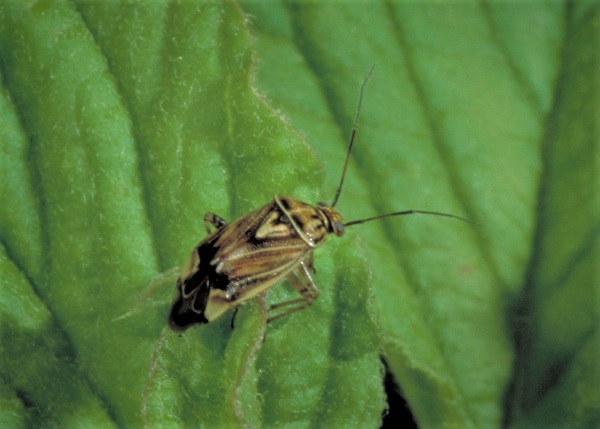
[241, 259]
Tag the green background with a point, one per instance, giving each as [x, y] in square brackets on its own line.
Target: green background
[122, 123]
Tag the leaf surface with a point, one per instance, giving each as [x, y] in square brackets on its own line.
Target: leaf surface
[123, 123]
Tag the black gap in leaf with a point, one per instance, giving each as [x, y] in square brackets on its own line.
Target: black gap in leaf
[398, 413]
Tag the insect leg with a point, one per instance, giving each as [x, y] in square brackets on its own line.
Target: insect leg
[310, 263]
[304, 285]
[214, 220]
[235, 311]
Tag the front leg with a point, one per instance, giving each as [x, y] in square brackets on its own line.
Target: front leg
[304, 285]
[214, 220]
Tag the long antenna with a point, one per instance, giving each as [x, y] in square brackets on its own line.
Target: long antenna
[350, 144]
[407, 212]
[352, 134]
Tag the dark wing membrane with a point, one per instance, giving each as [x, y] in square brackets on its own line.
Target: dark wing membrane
[184, 310]
[194, 286]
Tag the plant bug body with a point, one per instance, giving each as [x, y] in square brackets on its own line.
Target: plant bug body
[242, 259]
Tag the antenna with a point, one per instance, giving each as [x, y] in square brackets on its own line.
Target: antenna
[350, 144]
[407, 212]
[352, 135]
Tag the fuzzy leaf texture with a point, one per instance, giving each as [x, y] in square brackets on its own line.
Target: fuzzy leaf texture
[122, 123]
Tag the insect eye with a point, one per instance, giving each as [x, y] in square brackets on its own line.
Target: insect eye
[322, 204]
[338, 228]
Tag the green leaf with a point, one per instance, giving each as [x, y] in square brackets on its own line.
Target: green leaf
[121, 124]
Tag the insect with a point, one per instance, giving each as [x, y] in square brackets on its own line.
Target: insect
[241, 259]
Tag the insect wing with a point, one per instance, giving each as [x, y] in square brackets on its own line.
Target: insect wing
[235, 263]
[257, 254]
[194, 286]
